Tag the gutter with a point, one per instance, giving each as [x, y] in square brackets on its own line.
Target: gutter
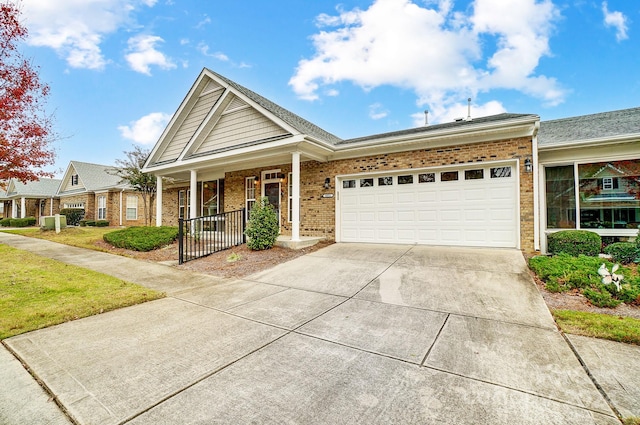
[589, 142]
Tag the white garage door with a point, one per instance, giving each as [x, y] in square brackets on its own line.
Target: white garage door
[472, 206]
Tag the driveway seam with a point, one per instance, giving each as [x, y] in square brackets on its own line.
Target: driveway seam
[444, 323]
[593, 378]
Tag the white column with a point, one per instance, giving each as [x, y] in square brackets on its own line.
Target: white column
[158, 201]
[295, 196]
[14, 209]
[51, 207]
[23, 208]
[193, 199]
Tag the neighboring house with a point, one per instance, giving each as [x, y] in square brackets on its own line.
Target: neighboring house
[102, 195]
[31, 199]
[469, 182]
[589, 167]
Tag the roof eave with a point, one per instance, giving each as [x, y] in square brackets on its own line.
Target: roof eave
[574, 144]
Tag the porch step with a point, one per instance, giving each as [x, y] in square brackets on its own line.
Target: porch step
[305, 241]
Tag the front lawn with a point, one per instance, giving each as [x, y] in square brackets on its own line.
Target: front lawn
[82, 237]
[36, 292]
[605, 326]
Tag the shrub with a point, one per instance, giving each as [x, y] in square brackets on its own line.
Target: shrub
[262, 228]
[91, 223]
[575, 242]
[624, 252]
[22, 222]
[142, 238]
[102, 223]
[82, 223]
[5, 222]
[564, 272]
[73, 215]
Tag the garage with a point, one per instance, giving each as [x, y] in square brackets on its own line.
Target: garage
[467, 206]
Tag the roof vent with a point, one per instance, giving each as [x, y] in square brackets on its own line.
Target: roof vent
[426, 118]
[469, 110]
[458, 119]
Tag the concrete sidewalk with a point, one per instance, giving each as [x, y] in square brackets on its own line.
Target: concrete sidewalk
[349, 334]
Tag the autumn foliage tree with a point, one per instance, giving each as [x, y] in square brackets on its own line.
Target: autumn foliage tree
[25, 129]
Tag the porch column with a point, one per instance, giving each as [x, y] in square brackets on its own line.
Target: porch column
[158, 201]
[295, 196]
[23, 208]
[193, 198]
[14, 209]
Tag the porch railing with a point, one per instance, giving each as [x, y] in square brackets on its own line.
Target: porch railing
[202, 236]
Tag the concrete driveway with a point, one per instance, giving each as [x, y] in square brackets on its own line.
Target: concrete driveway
[353, 333]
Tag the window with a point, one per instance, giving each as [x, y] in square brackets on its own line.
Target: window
[132, 207]
[184, 206]
[249, 193]
[74, 205]
[448, 176]
[561, 199]
[500, 172]
[102, 208]
[473, 174]
[609, 195]
[405, 179]
[1, 207]
[427, 178]
[348, 184]
[74, 180]
[366, 182]
[385, 181]
[43, 203]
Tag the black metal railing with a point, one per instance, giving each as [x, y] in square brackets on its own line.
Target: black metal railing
[202, 236]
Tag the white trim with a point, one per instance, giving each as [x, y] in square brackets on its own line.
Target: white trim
[158, 201]
[193, 198]
[264, 181]
[295, 197]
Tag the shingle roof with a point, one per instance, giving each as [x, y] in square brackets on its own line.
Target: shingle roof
[34, 189]
[437, 127]
[589, 127]
[295, 121]
[97, 177]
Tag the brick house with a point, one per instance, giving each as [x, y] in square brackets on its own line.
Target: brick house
[496, 181]
[98, 191]
[31, 199]
[468, 182]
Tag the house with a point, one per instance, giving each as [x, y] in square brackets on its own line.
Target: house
[505, 180]
[100, 192]
[31, 199]
[463, 183]
[589, 169]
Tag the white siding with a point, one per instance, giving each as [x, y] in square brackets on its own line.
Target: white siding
[195, 117]
[67, 186]
[244, 125]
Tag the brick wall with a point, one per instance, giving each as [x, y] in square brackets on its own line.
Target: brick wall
[317, 215]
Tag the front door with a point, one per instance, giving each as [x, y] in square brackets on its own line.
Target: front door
[272, 192]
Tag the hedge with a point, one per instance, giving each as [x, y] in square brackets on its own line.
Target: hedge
[73, 215]
[575, 242]
[22, 222]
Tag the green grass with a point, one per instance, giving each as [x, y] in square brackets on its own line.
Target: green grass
[82, 237]
[36, 292]
[604, 326]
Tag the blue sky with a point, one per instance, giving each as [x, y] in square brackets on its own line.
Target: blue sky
[118, 69]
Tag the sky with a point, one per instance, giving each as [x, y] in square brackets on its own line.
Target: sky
[119, 69]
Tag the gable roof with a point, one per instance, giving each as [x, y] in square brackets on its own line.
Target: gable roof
[41, 188]
[623, 124]
[92, 177]
[219, 115]
[295, 121]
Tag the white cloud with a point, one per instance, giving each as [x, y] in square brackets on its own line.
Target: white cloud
[75, 29]
[616, 20]
[146, 130]
[143, 54]
[377, 111]
[204, 49]
[442, 55]
[450, 112]
[204, 22]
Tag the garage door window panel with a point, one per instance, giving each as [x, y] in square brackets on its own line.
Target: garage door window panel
[500, 172]
[449, 176]
[408, 179]
[427, 178]
[385, 181]
[473, 174]
[366, 182]
[348, 184]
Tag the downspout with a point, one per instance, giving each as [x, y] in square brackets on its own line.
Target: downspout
[121, 192]
[536, 189]
[51, 207]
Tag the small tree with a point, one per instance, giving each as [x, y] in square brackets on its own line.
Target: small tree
[25, 129]
[262, 228]
[130, 170]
